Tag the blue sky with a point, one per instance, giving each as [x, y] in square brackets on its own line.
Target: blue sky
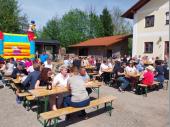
[43, 10]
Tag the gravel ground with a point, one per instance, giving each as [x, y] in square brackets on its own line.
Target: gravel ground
[130, 110]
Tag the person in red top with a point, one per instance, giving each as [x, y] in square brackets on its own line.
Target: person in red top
[148, 76]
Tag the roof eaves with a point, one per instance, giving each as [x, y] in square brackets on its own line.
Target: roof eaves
[130, 12]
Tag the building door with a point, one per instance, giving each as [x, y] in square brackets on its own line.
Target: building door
[109, 53]
[83, 52]
[166, 49]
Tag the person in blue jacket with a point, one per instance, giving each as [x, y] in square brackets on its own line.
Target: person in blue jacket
[43, 57]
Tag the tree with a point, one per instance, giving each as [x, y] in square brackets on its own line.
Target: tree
[51, 30]
[121, 25]
[107, 22]
[74, 27]
[9, 16]
[95, 25]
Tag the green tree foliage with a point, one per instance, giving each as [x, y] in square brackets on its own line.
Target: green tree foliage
[51, 30]
[95, 26]
[73, 27]
[77, 26]
[10, 20]
[106, 20]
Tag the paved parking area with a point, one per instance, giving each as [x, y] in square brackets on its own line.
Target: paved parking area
[130, 110]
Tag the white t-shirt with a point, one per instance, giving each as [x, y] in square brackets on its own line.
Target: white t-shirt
[86, 62]
[110, 65]
[60, 80]
[103, 67]
[48, 65]
[10, 67]
[130, 69]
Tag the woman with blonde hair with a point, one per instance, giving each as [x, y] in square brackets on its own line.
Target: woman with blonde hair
[59, 80]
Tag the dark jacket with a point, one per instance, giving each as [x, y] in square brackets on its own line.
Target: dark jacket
[31, 80]
[14, 73]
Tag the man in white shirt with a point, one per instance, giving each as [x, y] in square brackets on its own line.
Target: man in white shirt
[103, 67]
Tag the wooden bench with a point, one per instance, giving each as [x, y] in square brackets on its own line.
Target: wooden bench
[155, 83]
[7, 80]
[27, 98]
[30, 98]
[53, 115]
[24, 94]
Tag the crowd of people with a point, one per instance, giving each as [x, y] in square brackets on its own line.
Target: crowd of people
[34, 74]
[73, 74]
[128, 71]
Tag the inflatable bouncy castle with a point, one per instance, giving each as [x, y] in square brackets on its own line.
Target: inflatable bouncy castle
[18, 46]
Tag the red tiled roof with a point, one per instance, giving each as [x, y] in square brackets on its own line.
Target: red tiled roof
[129, 13]
[102, 41]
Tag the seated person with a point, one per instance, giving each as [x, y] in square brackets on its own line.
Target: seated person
[148, 76]
[3, 66]
[62, 77]
[139, 66]
[59, 80]
[45, 78]
[124, 82]
[130, 72]
[116, 68]
[159, 73]
[86, 78]
[9, 68]
[32, 78]
[79, 96]
[31, 68]
[48, 63]
[98, 63]
[84, 75]
[17, 70]
[103, 67]
[166, 71]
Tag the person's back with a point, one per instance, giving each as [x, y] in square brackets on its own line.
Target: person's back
[77, 63]
[31, 79]
[139, 67]
[78, 90]
[160, 70]
[43, 57]
[15, 72]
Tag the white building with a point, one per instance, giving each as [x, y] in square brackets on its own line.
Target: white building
[151, 28]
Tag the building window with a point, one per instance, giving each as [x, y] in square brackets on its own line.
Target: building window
[148, 47]
[167, 18]
[149, 21]
[167, 48]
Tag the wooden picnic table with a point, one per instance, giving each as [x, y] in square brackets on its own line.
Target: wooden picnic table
[16, 81]
[108, 71]
[133, 75]
[90, 67]
[43, 92]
